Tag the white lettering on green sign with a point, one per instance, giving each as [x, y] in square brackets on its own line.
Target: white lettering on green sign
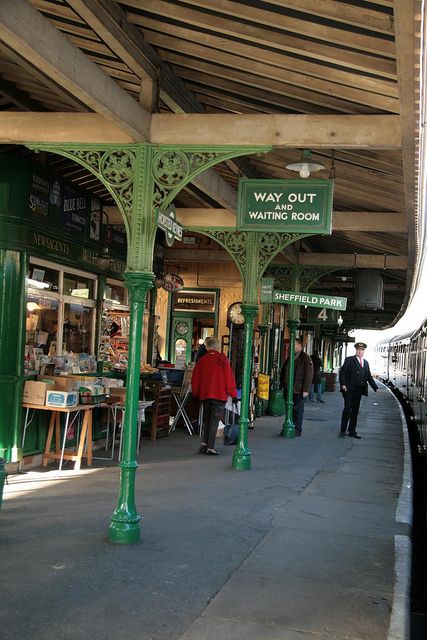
[310, 300]
[166, 220]
[298, 206]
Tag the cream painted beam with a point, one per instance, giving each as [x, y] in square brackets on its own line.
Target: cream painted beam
[312, 131]
[25, 30]
[341, 220]
[350, 260]
[344, 260]
[349, 131]
[21, 127]
[217, 188]
[369, 221]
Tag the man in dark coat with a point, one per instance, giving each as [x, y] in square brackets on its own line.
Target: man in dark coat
[354, 378]
[303, 376]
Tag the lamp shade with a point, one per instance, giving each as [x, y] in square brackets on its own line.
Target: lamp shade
[305, 166]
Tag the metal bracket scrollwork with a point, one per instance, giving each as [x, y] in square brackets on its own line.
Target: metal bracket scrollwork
[308, 276]
[113, 165]
[270, 244]
[235, 243]
[173, 168]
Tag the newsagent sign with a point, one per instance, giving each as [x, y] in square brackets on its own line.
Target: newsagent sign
[310, 300]
[293, 206]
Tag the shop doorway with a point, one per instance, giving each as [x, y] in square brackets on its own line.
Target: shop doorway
[194, 318]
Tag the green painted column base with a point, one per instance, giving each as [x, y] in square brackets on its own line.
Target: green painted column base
[124, 532]
[241, 459]
[288, 431]
[124, 526]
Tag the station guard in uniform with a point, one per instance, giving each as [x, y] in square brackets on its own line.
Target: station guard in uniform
[354, 378]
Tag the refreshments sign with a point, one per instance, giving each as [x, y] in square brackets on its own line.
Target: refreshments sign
[294, 206]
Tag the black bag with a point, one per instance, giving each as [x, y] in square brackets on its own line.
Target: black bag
[231, 432]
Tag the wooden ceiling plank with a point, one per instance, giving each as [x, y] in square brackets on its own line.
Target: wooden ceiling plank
[289, 24]
[198, 52]
[45, 81]
[56, 10]
[106, 19]
[357, 167]
[252, 93]
[274, 58]
[340, 12]
[19, 97]
[221, 104]
[198, 67]
[71, 70]
[345, 58]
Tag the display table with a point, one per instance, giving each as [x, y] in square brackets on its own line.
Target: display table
[55, 423]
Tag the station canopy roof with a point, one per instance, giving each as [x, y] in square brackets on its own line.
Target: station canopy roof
[348, 69]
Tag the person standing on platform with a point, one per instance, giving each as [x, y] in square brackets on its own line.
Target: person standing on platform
[354, 378]
[316, 385]
[303, 376]
[212, 382]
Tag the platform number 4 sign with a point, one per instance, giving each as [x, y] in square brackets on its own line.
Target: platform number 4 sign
[322, 316]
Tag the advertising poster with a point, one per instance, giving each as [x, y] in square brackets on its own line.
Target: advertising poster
[74, 212]
[263, 386]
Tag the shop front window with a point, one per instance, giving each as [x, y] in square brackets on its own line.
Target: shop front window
[78, 327]
[43, 278]
[60, 319]
[78, 286]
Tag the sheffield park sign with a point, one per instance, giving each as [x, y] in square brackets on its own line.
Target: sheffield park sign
[310, 299]
[294, 206]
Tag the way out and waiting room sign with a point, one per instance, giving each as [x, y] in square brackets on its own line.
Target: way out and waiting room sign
[294, 206]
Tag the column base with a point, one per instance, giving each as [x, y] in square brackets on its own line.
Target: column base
[124, 532]
[241, 459]
[288, 431]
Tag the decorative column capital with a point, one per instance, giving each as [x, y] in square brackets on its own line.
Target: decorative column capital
[249, 311]
[263, 328]
[138, 284]
[293, 324]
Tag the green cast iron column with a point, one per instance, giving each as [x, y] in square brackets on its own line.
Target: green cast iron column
[288, 430]
[12, 336]
[124, 527]
[242, 455]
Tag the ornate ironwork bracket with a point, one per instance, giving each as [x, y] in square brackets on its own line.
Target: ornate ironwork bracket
[252, 252]
[308, 276]
[141, 177]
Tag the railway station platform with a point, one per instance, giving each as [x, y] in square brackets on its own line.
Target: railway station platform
[302, 546]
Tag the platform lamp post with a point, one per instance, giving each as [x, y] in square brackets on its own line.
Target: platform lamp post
[288, 429]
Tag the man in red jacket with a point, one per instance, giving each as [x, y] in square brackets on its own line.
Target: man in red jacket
[212, 382]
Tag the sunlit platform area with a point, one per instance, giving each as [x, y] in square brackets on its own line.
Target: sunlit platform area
[302, 545]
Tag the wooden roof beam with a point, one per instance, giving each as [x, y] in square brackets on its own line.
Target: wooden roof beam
[354, 260]
[369, 221]
[312, 131]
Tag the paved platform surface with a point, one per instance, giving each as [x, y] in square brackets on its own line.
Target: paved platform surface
[301, 546]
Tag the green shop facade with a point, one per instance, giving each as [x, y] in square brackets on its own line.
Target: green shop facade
[51, 236]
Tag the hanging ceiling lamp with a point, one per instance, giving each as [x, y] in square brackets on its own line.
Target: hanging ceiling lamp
[305, 166]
